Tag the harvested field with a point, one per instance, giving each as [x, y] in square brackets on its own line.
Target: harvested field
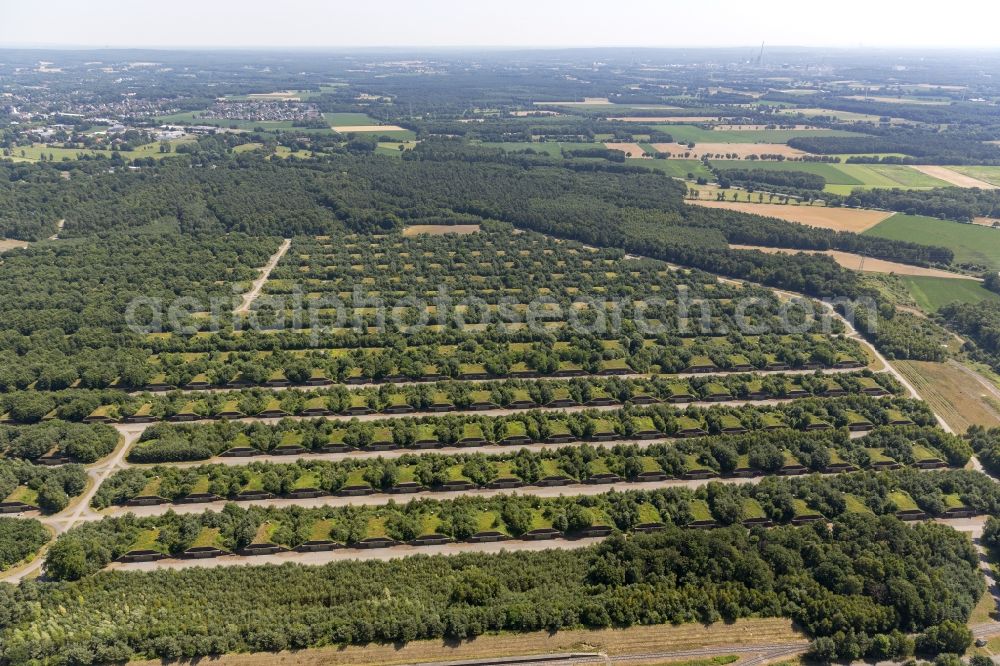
[440, 229]
[954, 392]
[667, 119]
[634, 640]
[587, 101]
[869, 265]
[719, 150]
[987, 174]
[838, 219]
[283, 96]
[6, 244]
[630, 149]
[954, 177]
[343, 129]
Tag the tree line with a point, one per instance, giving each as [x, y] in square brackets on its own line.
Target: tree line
[172, 442]
[830, 580]
[756, 453]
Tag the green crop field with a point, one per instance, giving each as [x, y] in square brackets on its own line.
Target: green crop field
[972, 244]
[931, 293]
[341, 119]
[870, 176]
[891, 175]
[685, 133]
[990, 174]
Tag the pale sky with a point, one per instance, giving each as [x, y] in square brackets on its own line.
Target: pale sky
[400, 23]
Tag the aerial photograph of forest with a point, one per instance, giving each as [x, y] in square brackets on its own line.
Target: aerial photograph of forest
[525, 334]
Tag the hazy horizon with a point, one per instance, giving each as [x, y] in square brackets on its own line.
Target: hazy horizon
[450, 24]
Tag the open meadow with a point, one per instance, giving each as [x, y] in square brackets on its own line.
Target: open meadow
[954, 393]
[933, 292]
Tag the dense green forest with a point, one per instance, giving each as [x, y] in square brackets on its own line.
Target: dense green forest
[85, 443]
[602, 206]
[827, 579]
[171, 178]
[176, 253]
[778, 181]
[951, 203]
[19, 538]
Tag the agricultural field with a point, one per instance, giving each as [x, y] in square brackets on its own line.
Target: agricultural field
[688, 133]
[362, 123]
[986, 174]
[736, 150]
[857, 262]
[842, 178]
[848, 116]
[953, 177]
[972, 244]
[338, 119]
[950, 390]
[931, 293]
[837, 219]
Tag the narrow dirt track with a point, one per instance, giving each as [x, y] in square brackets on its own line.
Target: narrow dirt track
[265, 272]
